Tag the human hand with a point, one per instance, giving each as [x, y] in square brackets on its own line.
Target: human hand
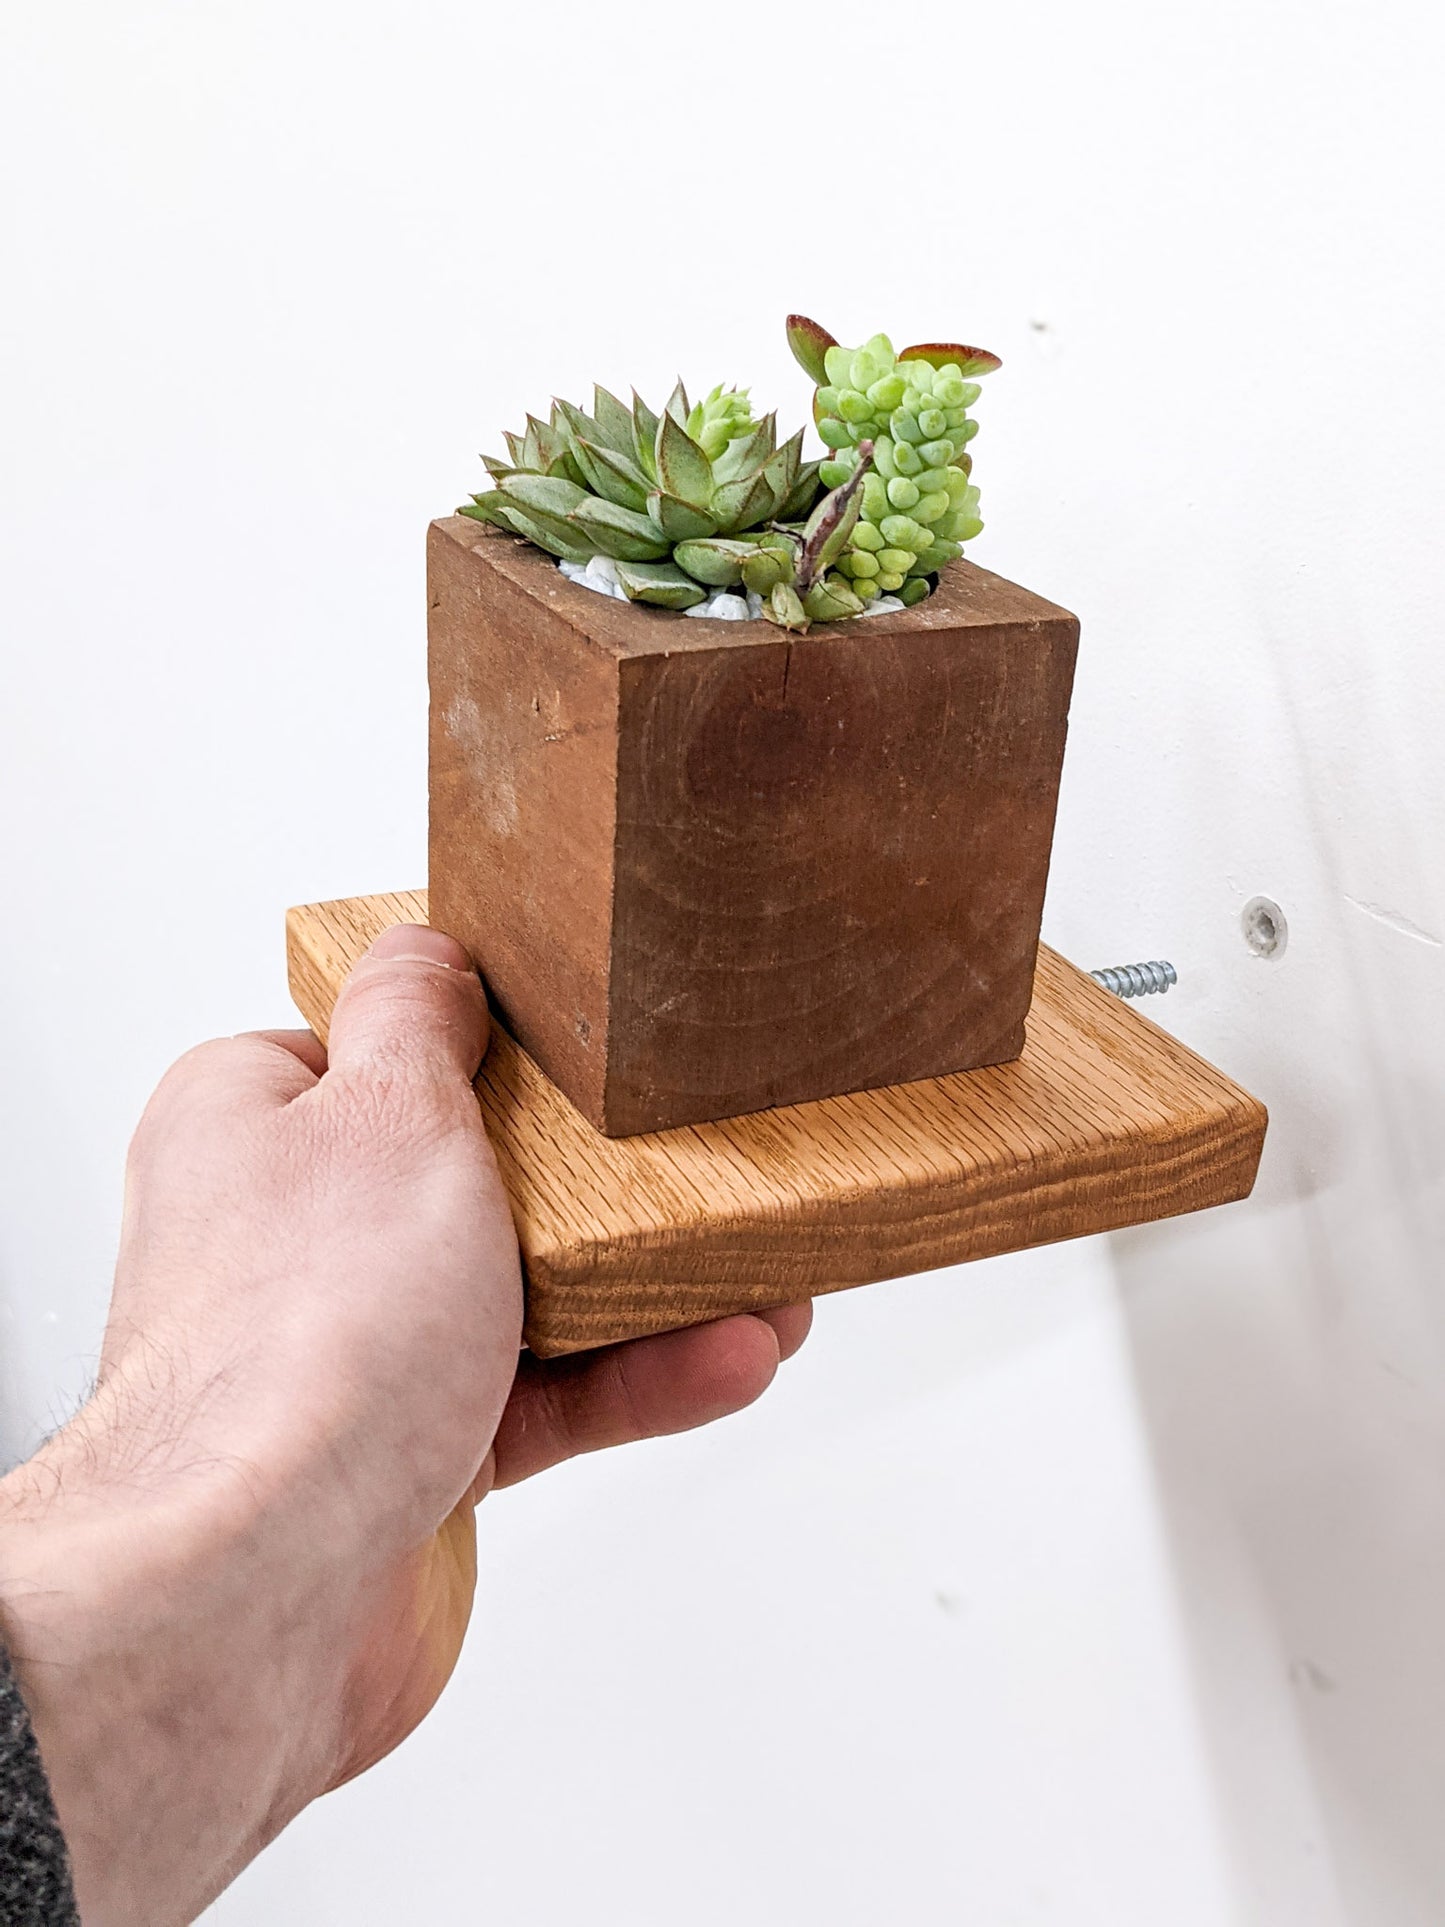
[242, 1574]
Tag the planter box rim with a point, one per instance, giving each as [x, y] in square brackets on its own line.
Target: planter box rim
[967, 596]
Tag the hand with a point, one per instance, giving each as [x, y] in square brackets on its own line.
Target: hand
[242, 1574]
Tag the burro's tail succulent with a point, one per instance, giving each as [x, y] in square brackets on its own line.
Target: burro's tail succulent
[698, 496]
[919, 505]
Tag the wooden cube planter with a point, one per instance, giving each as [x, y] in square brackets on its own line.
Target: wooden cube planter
[710, 868]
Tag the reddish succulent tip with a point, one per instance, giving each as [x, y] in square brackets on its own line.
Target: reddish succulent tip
[970, 361]
[809, 342]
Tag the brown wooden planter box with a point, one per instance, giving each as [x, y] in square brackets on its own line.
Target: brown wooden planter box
[709, 868]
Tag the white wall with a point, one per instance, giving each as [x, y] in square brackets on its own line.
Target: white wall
[1099, 1588]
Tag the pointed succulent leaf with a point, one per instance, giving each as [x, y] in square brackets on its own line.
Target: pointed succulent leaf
[809, 342]
[497, 468]
[714, 560]
[780, 472]
[748, 452]
[678, 405]
[832, 600]
[744, 503]
[619, 532]
[662, 583]
[549, 494]
[792, 452]
[556, 533]
[616, 478]
[644, 436]
[682, 468]
[550, 442]
[802, 495]
[784, 607]
[614, 421]
[678, 520]
[832, 522]
[487, 508]
[515, 448]
[938, 354]
[544, 532]
[575, 425]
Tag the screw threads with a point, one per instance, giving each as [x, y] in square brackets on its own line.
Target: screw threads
[1137, 979]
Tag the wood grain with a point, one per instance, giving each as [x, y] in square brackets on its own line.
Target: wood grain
[1103, 1121]
[709, 868]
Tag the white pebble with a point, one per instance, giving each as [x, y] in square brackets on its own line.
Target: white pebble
[721, 606]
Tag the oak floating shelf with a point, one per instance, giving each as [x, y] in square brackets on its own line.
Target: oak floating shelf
[1104, 1121]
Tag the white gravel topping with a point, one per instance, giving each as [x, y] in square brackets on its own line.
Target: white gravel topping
[722, 605]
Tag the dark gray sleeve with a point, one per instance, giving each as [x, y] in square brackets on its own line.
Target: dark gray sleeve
[35, 1889]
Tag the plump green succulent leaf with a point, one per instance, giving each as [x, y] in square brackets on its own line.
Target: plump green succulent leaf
[616, 478]
[913, 590]
[662, 583]
[613, 420]
[619, 532]
[678, 405]
[831, 600]
[784, 606]
[769, 565]
[936, 556]
[497, 468]
[714, 560]
[802, 495]
[644, 436]
[938, 354]
[678, 520]
[810, 342]
[744, 503]
[682, 468]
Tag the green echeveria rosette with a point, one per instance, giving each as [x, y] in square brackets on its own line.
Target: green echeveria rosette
[919, 507]
[698, 498]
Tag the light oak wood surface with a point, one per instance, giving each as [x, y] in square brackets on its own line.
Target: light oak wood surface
[1104, 1121]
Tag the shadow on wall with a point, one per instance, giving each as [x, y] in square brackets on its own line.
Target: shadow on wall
[1289, 1362]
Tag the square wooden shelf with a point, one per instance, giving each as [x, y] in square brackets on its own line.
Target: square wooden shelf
[1104, 1121]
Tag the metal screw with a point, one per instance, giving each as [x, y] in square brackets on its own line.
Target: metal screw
[1137, 980]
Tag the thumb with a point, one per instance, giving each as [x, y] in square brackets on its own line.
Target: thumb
[416, 998]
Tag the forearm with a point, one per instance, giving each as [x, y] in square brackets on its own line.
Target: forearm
[162, 1666]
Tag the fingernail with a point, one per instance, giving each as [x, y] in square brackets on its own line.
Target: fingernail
[415, 940]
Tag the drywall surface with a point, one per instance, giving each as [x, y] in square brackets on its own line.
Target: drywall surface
[1103, 1587]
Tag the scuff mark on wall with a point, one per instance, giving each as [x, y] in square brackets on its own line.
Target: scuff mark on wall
[1392, 920]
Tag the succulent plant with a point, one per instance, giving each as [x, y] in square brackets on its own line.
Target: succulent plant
[919, 505]
[653, 491]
